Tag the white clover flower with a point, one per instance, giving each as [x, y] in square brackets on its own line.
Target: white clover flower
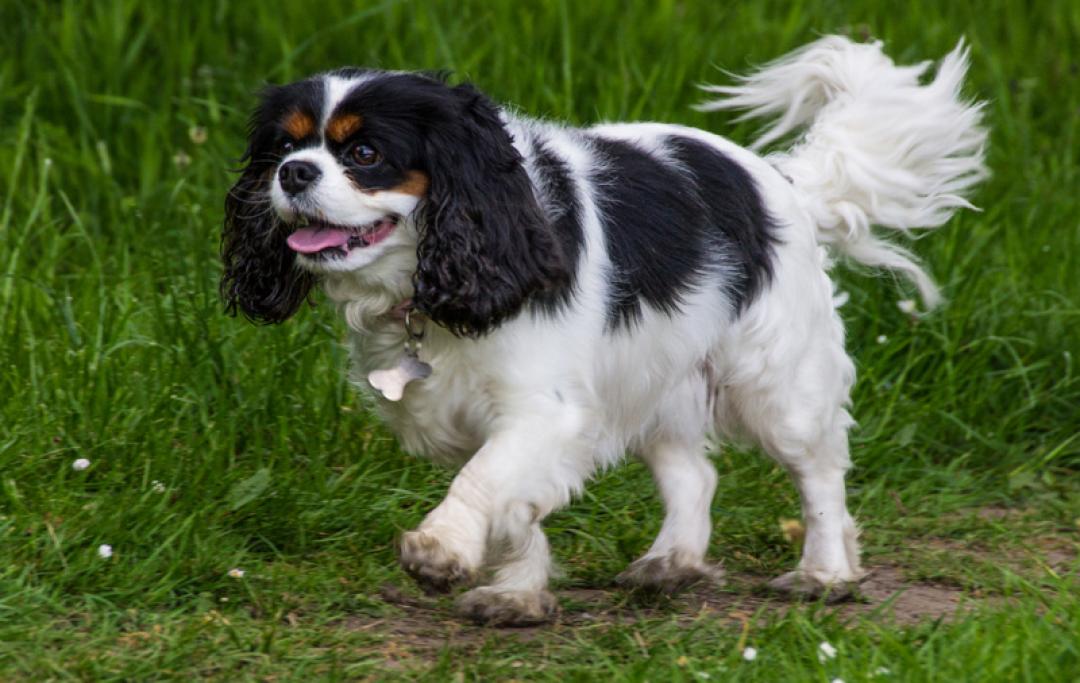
[906, 306]
[104, 551]
[826, 651]
[749, 654]
[236, 573]
[881, 339]
[838, 680]
[881, 671]
[80, 464]
[157, 486]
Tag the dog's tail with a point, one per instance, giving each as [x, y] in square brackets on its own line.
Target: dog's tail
[877, 147]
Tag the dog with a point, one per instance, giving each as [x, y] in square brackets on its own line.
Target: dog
[530, 302]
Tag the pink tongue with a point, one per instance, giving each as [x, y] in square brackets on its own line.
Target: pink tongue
[313, 240]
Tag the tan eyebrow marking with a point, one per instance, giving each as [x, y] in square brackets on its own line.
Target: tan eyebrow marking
[299, 125]
[342, 126]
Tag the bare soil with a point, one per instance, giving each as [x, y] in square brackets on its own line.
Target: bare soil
[425, 625]
[884, 594]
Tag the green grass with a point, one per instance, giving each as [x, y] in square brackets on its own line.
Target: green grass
[113, 347]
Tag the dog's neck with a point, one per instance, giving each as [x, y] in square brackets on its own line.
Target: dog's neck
[367, 303]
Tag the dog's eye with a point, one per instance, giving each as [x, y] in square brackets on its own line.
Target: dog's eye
[287, 146]
[364, 155]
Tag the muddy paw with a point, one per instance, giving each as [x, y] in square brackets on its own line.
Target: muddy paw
[487, 605]
[434, 568]
[665, 574]
[800, 584]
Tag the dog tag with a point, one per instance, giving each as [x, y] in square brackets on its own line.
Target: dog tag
[391, 383]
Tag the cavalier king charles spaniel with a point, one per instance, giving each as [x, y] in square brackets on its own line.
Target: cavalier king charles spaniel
[530, 301]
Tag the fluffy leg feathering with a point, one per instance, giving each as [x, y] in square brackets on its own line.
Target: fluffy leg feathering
[878, 148]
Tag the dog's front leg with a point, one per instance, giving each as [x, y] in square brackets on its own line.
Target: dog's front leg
[493, 511]
[448, 547]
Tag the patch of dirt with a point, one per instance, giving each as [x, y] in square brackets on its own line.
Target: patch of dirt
[993, 513]
[427, 625]
[424, 626]
[1032, 554]
[888, 593]
[1057, 553]
[884, 594]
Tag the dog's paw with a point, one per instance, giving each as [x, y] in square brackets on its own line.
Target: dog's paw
[668, 574]
[498, 607]
[804, 585]
[435, 568]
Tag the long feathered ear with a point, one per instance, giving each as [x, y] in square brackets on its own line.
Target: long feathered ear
[485, 243]
[260, 279]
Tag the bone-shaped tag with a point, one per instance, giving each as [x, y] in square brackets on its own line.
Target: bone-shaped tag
[391, 383]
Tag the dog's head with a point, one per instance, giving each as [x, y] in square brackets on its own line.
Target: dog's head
[348, 168]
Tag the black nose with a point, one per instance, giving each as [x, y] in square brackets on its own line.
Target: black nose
[296, 176]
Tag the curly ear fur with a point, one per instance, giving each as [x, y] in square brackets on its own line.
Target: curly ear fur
[485, 245]
[260, 279]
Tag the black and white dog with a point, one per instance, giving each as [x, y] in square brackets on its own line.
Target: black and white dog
[584, 293]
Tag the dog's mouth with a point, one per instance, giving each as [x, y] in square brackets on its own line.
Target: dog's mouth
[323, 239]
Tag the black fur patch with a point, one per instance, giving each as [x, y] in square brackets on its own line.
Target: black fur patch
[653, 228]
[736, 214]
[260, 278]
[563, 210]
[667, 225]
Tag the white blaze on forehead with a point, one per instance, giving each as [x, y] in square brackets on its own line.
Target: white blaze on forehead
[337, 88]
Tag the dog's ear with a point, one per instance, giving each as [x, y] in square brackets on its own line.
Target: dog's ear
[485, 243]
[260, 279]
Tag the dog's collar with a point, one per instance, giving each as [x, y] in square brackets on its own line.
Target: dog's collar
[413, 320]
[401, 310]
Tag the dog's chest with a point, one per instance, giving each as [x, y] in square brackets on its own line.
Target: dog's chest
[442, 417]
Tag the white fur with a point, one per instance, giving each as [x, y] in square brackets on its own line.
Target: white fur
[880, 148]
[532, 410]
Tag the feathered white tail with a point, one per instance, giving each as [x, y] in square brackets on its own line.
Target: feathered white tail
[879, 148]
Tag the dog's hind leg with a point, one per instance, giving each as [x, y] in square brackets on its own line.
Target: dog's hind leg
[789, 390]
[686, 480]
[675, 453]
